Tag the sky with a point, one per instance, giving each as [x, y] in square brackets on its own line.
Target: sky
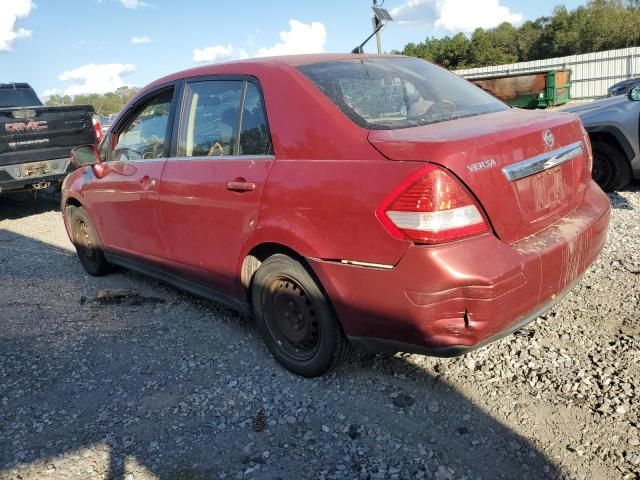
[95, 46]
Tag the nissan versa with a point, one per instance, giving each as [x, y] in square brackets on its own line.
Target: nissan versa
[344, 200]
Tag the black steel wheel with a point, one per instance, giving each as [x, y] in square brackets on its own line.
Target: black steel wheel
[85, 241]
[611, 170]
[295, 319]
[602, 172]
[291, 317]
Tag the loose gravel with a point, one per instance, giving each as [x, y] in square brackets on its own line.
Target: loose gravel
[168, 386]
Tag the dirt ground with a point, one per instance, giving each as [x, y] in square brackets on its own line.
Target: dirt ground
[165, 385]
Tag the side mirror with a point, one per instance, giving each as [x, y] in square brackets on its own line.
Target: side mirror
[634, 93]
[85, 155]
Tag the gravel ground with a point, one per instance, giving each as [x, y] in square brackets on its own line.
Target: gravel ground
[168, 386]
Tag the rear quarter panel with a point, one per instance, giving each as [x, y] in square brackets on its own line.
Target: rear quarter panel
[327, 180]
[326, 209]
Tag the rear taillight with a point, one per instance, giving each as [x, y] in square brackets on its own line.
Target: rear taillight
[97, 128]
[431, 206]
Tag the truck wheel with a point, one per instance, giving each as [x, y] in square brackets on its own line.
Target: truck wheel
[295, 319]
[86, 242]
[611, 170]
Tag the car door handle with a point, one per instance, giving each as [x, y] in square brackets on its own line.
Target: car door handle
[241, 185]
[147, 182]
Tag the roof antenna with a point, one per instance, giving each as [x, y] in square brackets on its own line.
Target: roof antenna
[380, 20]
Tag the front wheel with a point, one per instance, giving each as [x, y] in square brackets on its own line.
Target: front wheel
[85, 240]
[295, 319]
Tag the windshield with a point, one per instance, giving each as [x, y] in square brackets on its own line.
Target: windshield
[389, 93]
[18, 97]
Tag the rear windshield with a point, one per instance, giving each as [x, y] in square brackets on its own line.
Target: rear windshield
[18, 97]
[389, 93]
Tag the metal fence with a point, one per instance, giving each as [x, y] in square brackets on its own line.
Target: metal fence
[592, 73]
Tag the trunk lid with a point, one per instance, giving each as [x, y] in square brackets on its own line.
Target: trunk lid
[29, 134]
[527, 169]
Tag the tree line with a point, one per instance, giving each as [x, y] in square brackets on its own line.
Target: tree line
[600, 25]
[106, 104]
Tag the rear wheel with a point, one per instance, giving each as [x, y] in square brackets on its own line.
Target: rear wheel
[611, 170]
[85, 240]
[295, 319]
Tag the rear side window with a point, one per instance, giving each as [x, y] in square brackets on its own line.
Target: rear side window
[254, 135]
[211, 118]
[390, 93]
[222, 118]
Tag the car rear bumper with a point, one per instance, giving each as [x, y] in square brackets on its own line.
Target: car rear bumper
[12, 179]
[15, 185]
[447, 299]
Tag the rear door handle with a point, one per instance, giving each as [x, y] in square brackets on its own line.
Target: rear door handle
[241, 185]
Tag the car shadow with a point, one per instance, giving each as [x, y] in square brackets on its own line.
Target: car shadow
[619, 201]
[25, 204]
[173, 386]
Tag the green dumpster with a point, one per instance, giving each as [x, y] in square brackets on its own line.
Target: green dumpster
[529, 90]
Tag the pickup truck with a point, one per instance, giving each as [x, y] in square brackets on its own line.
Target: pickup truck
[35, 140]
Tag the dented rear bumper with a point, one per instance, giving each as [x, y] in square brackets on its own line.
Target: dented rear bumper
[447, 299]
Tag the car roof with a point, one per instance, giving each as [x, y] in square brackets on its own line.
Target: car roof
[627, 81]
[238, 66]
[14, 85]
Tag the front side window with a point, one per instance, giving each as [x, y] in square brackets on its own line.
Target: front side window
[390, 93]
[105, 148]
[144, 137]
[223, 118]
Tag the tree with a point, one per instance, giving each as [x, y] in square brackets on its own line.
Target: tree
[488, 46]
[107, 104]
[528, 35]
[600, 25]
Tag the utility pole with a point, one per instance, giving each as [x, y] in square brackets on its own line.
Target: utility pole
[380, 19]
[376, 24]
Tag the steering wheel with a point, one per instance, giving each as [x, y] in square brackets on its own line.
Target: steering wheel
[153, 147]
[443, 108]
[125, 152]
[439, 110]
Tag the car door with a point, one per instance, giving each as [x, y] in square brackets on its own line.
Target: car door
[125, 195]
[210, 192]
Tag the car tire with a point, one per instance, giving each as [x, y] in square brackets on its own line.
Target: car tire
[85, 240]
[611, 170]
[295, 319]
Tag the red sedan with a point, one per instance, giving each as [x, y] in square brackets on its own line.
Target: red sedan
[343, 200]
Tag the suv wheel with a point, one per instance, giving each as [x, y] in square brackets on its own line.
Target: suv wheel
[611, 170]
[295, 319]
[86, 242]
